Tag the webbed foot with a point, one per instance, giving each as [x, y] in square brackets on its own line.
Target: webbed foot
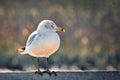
[39, 72]
[50, 73]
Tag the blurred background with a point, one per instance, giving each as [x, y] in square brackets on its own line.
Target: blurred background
[91, 40]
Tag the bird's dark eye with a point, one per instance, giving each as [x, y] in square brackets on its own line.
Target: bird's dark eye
[52, 26]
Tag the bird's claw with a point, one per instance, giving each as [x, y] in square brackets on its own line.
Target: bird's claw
[39, 72]
[50, 73]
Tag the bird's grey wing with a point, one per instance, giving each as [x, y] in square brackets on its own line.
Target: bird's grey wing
[31, 38]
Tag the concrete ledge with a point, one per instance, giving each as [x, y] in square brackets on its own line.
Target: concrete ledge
[87, 75]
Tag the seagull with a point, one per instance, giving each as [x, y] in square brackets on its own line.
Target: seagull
[43, 42]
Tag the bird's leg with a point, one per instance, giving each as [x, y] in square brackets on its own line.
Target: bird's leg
[37, 67]
[47, 69]
[48, 65]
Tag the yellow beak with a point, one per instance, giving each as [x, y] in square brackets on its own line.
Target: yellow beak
[60, 29]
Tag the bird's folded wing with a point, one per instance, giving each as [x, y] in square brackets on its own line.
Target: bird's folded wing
[31, 38]
[29, 41]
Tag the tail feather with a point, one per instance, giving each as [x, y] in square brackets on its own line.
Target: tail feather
[21, 50]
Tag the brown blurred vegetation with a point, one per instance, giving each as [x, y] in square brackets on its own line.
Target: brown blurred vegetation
[92, 33]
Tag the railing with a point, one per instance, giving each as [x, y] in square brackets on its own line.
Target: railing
[85, 75]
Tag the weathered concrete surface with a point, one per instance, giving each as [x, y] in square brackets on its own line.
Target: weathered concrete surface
[87, 75]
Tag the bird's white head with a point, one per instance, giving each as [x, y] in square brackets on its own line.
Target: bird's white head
[48, 25]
